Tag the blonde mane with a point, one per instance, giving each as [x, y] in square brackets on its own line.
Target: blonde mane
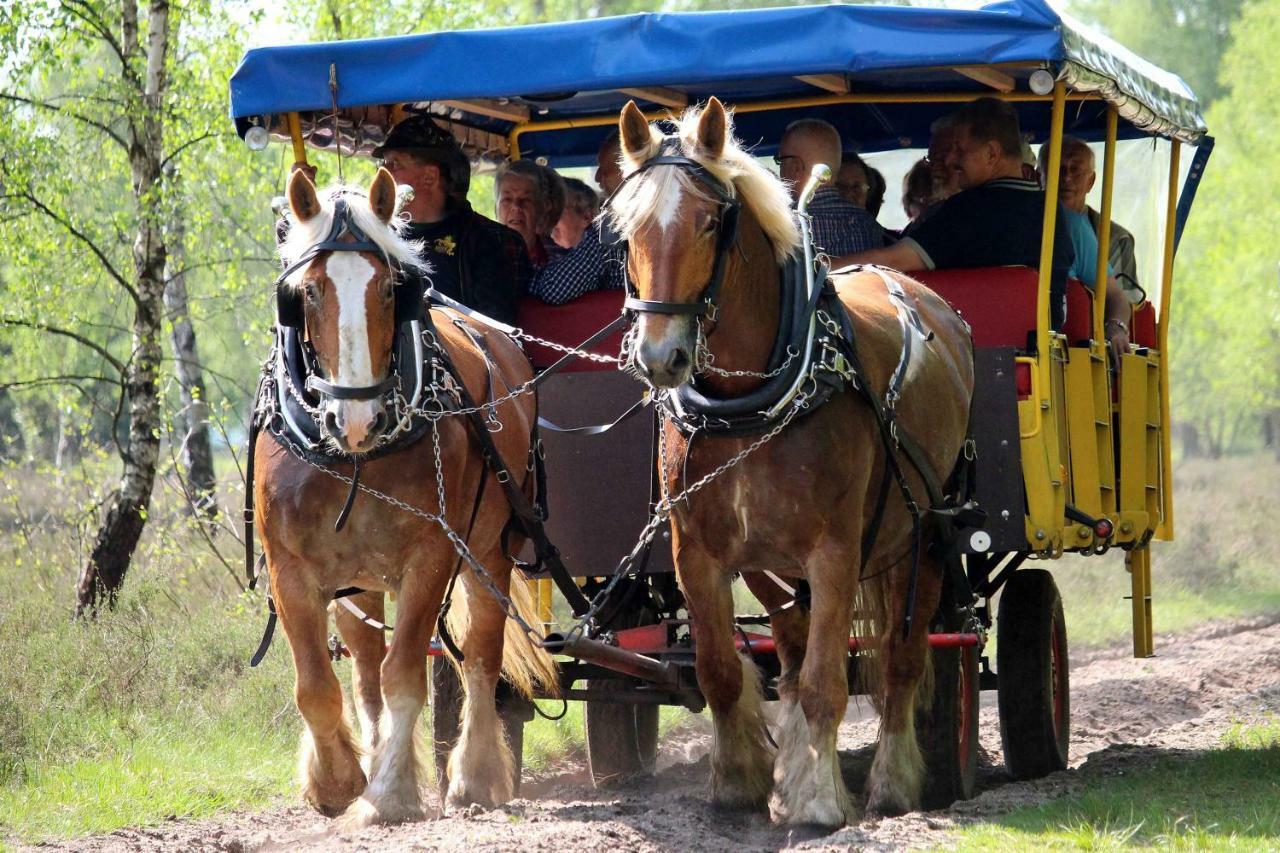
[387, 236]
[639, 202]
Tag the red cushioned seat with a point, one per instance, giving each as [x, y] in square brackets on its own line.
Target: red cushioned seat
[1144, 326]
[571, 324]
[1079, 324]
[1000, 303]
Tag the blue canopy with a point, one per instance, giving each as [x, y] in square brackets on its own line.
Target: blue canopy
[498, 79]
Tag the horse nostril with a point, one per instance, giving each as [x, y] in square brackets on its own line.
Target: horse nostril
[679, 360]
[379, 423]
[331, 422]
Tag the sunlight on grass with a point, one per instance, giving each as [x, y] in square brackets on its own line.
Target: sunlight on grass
[1223, 799]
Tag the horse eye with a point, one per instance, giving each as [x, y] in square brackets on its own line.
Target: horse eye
[710, 226]
[310, 291]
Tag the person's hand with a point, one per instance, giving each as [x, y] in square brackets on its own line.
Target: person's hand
[1117, 333]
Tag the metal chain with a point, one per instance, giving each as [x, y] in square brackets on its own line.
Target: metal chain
[709, 366]
[568, 350]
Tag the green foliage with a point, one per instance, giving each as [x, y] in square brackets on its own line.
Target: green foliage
[1190, 37]
[1225, 341]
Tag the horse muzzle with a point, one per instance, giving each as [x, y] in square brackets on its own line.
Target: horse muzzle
[355, 425]
[665, 348]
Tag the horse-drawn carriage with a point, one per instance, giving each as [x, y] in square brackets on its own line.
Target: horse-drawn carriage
[1061, 454]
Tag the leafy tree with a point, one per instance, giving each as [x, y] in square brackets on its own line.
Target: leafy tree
[1225, 343]
[1187, 36]
[102, 105]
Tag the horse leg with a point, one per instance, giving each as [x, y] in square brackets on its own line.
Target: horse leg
[394, 793]
[807, 785]
[790, 626]
[368, 647]
[328, 762]
[481, 766]
[897, 773]
[741, 758]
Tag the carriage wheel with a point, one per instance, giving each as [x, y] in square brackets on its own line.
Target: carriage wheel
[948, 730]
[622, 737]
[446, 719]
[1034, 682]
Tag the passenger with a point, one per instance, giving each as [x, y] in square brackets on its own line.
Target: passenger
[851, 181]
[530, 199]
[839, 227]
[474, 260]
[1075, 179]
[917, 190]
[581, 204]
[875, 198]
[946, 181]
[1072, 190]
[995, 219]
[589, 265]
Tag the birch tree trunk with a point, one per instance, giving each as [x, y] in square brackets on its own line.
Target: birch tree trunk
[143, 78]
[193, 420]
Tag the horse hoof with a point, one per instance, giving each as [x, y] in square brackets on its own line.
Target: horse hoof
[811, 813]
[362, 813]
[887, 804]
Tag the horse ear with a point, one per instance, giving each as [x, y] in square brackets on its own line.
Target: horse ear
[713, 128]
[382, 195]
[633, 130]
[302, 196]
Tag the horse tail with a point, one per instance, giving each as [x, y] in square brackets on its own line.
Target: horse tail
[525, 664]
[878, 611]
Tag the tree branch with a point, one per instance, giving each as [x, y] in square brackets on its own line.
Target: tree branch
[217, 263]
[86, 13]
[6, 320]
[115, 137]
[98, 253]
[69, 379]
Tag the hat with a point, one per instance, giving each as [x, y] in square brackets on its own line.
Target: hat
[419, 134]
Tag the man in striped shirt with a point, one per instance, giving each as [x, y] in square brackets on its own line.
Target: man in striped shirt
[839, 226]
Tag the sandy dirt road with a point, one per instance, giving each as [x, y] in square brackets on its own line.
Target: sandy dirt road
[1126, 714]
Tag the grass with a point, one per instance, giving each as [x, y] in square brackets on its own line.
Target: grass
[152, 711]
[1221, 799]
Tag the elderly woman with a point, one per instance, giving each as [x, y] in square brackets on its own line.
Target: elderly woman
[581, 205]
[530, 199]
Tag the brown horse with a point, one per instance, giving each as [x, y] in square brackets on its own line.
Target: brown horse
[348, 302]
[799, 504]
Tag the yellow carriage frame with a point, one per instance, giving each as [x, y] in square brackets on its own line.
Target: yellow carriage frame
[1106, 454]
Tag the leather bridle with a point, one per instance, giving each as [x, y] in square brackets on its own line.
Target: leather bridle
[289, 308]
[707, 303]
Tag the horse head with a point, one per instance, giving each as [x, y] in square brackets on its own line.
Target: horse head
[678, 208]
[347, 299]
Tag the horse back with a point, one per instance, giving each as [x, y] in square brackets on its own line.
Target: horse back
[938, 384]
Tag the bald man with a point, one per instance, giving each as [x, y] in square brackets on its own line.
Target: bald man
[839, 226]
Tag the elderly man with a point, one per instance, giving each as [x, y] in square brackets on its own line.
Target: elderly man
[839, 226]
[1075, 179]
[996, 217]
[530, 199]
[473, 259]
[589, 265]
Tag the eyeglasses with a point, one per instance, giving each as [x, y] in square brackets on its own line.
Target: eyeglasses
[778, 158]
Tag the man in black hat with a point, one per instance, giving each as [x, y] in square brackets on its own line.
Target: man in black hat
[475, 260]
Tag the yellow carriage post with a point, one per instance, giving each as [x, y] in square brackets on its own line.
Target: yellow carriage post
[1044, 473]
[295, 136]
[1093, 471]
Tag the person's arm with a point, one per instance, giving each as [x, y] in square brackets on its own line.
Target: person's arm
[579, 270]
[1118, 313]
[903, 256]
